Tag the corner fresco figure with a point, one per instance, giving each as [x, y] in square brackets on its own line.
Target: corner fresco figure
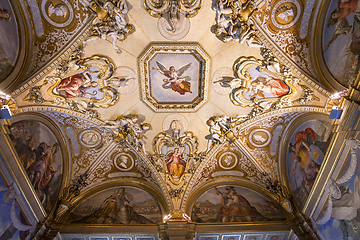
[41, 170]
[175, 163]
[342, 50]
[233, 205]
[174, 78]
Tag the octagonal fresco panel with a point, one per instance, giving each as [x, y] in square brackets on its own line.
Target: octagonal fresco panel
[121, 205]
[174, 76]
[234, 204]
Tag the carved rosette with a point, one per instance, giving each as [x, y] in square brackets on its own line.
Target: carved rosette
[176, 154]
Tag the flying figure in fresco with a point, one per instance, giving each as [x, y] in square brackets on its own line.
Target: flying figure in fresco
[179, 83]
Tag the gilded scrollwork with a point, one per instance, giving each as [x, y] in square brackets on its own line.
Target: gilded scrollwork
[233, 22]
[177, 154]
[307, 95]
[112, 21]
[157, 8]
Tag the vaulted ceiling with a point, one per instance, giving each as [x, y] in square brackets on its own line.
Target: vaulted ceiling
[172, 104]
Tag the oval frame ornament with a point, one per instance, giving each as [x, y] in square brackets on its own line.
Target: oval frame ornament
[234, 163]
[60, 25]
[268, 140]
[273, 20]
[128, 157]
[87, 144]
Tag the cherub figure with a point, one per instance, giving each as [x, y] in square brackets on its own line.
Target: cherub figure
[126, 128]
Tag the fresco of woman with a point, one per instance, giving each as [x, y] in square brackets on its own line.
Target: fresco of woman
[175, 163]
[266, 84]
[76, 85]
[115, 204]
[175, 78]
[233, 206]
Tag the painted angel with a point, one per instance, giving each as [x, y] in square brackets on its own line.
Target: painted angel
[179, 83]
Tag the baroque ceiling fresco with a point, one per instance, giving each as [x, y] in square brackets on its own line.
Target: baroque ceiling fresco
[141, 119]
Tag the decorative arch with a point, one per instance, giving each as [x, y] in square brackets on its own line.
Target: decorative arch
[24, 45]
[320, 136]
[318, 48]
[39, 145]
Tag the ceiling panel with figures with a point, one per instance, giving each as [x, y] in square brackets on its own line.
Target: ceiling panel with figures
[158, 110]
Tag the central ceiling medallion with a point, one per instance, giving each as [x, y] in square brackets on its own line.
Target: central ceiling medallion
[174, 76]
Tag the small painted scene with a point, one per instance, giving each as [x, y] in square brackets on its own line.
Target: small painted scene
[340, 220]
[305, 154]
[174, 77]
[263, 85]
[122, 205]
[234, 204]
[341, 40]
[9, 40]
[84, 84]
[13, 224]
[176, 159]
[40, 155]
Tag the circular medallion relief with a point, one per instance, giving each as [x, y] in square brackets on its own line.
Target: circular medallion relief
[175, 121]
[124, 80]
[174, 29]
[124, 161]
[285, 13]
[260, 137]
[58, 13]
[228, 160]
[90, 138]
[221, 79]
